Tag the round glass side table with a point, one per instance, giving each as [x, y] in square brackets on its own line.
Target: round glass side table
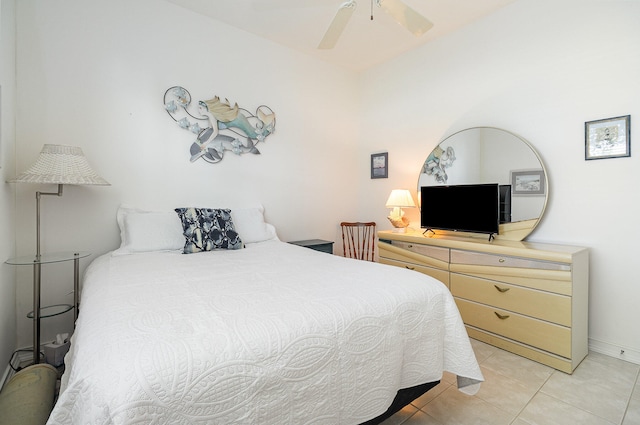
[54, 310]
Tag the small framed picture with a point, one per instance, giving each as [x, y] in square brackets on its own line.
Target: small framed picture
[527, 182]
[608, 138]
[380, 165]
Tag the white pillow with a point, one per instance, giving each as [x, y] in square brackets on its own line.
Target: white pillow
[250, 225]
[142, 231]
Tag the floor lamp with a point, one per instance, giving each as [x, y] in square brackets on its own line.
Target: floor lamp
[56, 164]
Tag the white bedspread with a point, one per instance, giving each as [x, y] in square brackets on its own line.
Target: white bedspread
[270, 334]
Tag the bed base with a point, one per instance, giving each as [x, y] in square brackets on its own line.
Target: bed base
[403, 398]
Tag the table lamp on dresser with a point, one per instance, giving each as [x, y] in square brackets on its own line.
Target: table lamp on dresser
[398, 199]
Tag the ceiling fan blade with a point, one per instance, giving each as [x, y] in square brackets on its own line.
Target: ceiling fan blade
[406, 16]
[337, 25]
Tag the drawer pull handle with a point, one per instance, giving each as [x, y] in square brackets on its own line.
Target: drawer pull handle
[501, 260]
[501, 289]
[409, 246]
[410, 268]
[500, 316]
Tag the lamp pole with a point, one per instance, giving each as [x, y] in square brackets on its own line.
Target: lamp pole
[36, 278]
[38, 195]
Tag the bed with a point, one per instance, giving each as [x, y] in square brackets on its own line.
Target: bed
[271, 333]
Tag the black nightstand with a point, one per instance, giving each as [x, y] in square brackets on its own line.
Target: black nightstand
[316, 244]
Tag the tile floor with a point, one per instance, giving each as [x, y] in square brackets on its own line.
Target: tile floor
[601, 391]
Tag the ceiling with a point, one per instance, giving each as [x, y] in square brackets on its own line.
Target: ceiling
[301, 24]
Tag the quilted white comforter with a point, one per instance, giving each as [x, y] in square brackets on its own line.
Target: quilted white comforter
[270, 334]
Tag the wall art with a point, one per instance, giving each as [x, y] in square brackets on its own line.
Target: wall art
[607, 138]
[379, 165]
[438, 161]
[218, 126]
[528, 182]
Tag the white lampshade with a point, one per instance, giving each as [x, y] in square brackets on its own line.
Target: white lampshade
[59, 164]
[400, 198]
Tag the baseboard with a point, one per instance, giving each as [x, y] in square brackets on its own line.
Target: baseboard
[10, 370]
[19, 357]
[612, 350]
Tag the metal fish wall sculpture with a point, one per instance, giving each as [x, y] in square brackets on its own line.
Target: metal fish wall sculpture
[218, 126]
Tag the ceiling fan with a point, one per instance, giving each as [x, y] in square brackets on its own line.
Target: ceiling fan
[400, 12]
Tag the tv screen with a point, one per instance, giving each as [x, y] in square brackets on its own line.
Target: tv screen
[465, 208]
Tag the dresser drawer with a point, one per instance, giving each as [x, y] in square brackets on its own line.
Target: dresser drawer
[529, 302]
[441, 275]
[556, 281]
[483, 259]
[399, 251]
[537, 333]
[436, 252]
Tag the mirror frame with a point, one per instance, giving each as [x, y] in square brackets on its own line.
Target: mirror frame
[514, 231]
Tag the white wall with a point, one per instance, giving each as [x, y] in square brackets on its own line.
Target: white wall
[93, 74]
[7, 146]
[539, 69]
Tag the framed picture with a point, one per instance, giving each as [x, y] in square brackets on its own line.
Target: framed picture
[527, 182]
[380, 165]
[608, 138]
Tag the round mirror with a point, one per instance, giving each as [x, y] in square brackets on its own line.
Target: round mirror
[491, 155]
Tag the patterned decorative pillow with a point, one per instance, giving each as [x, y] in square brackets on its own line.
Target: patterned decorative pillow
[206, 229]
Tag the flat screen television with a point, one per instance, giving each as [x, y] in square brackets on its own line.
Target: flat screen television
[464, 208]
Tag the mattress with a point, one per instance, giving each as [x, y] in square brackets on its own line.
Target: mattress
[270, 334]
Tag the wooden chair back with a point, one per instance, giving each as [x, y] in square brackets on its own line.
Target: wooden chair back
[359, 240]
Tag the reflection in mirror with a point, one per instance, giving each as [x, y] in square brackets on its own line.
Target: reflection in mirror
[491, 155]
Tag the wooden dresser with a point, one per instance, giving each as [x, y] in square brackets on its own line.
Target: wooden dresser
[524, 297]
